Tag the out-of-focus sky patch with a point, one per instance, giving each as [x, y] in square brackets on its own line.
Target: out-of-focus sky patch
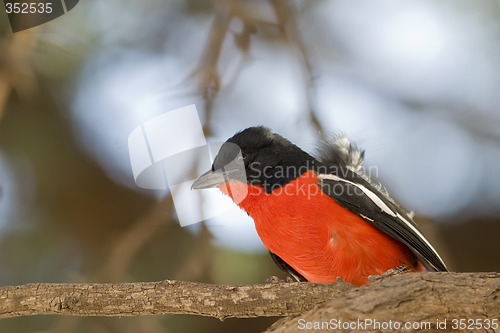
[269, 90]
[118, 91]
[421, 50]
[430, 166]
[234, 228]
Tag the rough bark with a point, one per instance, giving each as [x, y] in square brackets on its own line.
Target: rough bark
[409, 298]
[174, 297]
[466, 301]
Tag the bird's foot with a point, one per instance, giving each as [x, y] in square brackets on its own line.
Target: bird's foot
[275, 279]
[394, 271]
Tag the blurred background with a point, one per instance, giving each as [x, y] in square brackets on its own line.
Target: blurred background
[415, 83]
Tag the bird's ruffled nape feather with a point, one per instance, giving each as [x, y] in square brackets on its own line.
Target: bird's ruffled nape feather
[339, 150]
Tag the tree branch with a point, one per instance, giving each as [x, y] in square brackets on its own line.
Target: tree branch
[174, 297]
[416, 297]
[419, 300]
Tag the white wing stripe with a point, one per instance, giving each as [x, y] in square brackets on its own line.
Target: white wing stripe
[373, 197]
[376, 200]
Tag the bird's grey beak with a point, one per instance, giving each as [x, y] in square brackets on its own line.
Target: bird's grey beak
[210, 179]
[227, 174]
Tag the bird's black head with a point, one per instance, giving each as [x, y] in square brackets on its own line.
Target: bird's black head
[258, 157]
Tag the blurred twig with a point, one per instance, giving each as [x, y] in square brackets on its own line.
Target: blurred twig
[4, 94]
[290, 30]
[209, 77]
[16, 72]
[207, 70]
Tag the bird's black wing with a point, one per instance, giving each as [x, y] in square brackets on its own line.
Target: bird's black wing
[287, 268]
[355, 193]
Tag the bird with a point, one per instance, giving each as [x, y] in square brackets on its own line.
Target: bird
[323, 217]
